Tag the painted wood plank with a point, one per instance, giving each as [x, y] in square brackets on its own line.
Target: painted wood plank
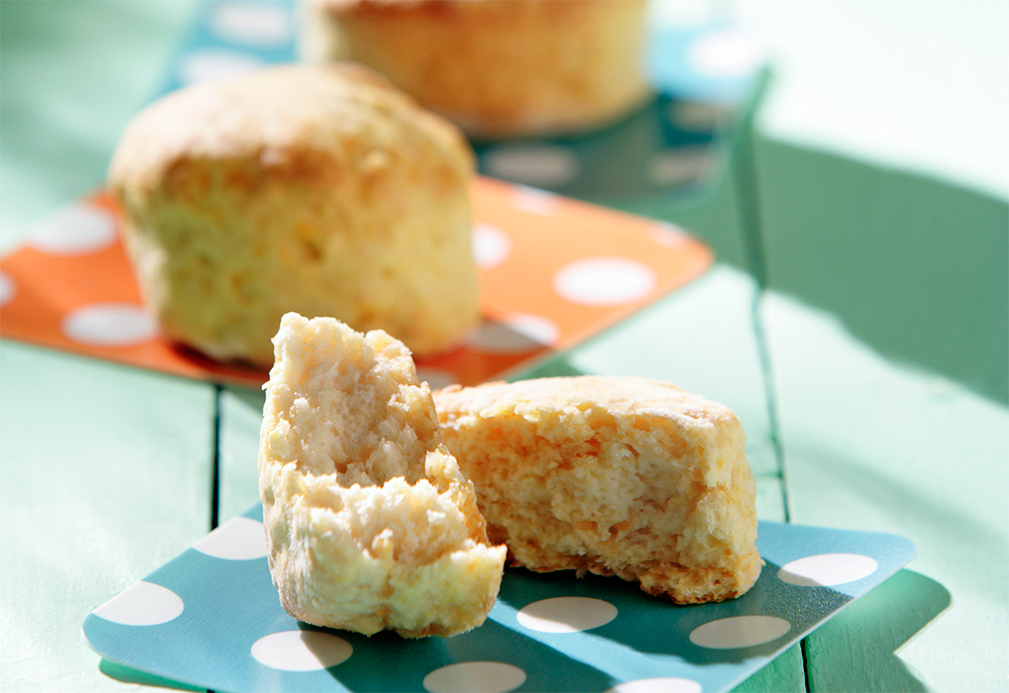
[106, 475]
[918, 268]
[916, 96]
[905, 241]
[73, 74]
[873, 446]
[106, 470]
[241, 418]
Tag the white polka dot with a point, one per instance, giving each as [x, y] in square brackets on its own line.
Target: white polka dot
[604, 281]
[474, 677]
[80, 228]
[491, 245]
[238, 539]
[739, 631]
[301, 650]
[437, 379]
[699, 116]
[534, 201]
[7, 289]
[252, 23]
[673, 167]
[827, 569]
[669, 235]
[209, 65]
[515, 334]
[110, 324]
[143, 604]
[538, 164]
[664, 684]
[726, 54]
[566, 614]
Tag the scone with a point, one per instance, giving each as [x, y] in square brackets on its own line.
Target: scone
[315, 189]
[497, 68]
[369, 524]
[614, 476]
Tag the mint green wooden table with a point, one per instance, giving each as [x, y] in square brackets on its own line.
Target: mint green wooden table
[856, 321]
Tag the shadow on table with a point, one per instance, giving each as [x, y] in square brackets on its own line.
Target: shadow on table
[655, 626]
[857, 650]
[914, 266]
[392, 663]
[125, 674]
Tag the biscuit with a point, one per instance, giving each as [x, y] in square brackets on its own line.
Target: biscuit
[314, 189]
[497, 68]
[369, 523]
[614, 476]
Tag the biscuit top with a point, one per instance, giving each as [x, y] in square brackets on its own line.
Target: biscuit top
[566, 410]
[295, 120]
[588, 397]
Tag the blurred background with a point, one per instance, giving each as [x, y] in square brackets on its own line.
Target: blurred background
[873, 182]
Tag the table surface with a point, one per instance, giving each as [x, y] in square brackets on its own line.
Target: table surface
[107, 471]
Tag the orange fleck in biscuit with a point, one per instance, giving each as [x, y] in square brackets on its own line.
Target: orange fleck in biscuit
[615, 476]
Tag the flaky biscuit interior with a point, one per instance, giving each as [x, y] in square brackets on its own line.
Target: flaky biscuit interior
[370, 524]
[614, 476]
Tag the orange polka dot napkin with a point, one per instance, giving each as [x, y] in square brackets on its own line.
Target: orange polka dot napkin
[553, 271]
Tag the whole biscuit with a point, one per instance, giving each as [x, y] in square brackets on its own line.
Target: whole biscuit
[315, 189]
[497, 68]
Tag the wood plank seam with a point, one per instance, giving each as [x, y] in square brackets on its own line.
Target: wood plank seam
[215, 482]
[805, 666]
[771, 400]
[745, 182]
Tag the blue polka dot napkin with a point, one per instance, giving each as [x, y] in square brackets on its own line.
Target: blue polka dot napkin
[212, 618]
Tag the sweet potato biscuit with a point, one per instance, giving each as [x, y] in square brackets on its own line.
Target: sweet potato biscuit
[369, 523]
[614, 476]
[497, 68]
[315, 189]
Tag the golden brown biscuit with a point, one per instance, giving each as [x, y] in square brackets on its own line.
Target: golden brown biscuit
[497, 68]
[369, 523]
[615, 476]
[315, 189]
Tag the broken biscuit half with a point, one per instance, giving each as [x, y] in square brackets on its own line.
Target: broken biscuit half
[611, 475]
[369, 523]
